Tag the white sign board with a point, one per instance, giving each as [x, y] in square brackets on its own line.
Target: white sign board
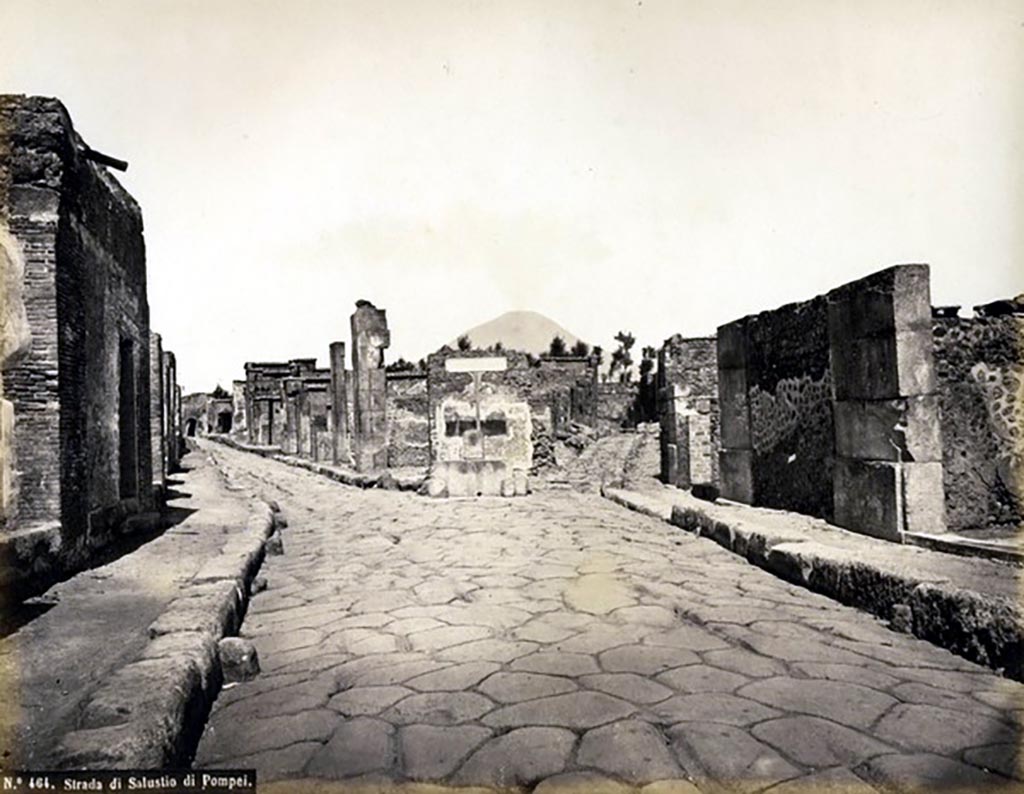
[480, 364]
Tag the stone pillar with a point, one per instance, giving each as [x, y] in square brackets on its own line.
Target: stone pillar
[341, 453]
[157, 426]
[239, 419]
[289, 440]
[736, 456]
[304, 425]
[888, 474]
[675, 437]
[370, 337]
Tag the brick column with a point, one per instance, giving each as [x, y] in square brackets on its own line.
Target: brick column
[888, 474]
[157, 427]
[289, 440]
[736, 455]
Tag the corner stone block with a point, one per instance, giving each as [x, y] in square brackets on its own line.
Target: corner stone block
[736, 471]
[731, 343]
[889, 430]
[924, 498]
[883, 368]
[734, 409]
[866, 498]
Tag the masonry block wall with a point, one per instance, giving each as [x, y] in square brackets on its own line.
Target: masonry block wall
[777, 433]
[980, 371]
[687, 388]
[408, 413]
[615, 403]
[81, 395]
[829, 407]
[172, 409]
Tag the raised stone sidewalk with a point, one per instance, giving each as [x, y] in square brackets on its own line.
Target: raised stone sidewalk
[121, 670]
[967, 605]
[407, 479]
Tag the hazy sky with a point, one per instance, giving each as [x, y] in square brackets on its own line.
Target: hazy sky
[660, 167]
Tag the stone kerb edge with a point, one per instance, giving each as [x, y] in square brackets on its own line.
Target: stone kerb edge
[356, 479]
[150, 712]
[984, 629]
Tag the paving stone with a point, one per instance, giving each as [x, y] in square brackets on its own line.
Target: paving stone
[687, 638]
[491, 650]
[429, 752]
[406, 626]
[393, 674]
[305, 695]
[582, 783]
[435, 639]
[456, 677]
[271, 765]
[702, 678]
[818, 743]
[940, 730]
[803, 651]
[602, 638]
[839, 701]
[358, 746]
[926, 772]
[647, 615]
[738, 660]
[855, 674]
[517, 687]
[713, 707]
[1002, 758]
[923, 694]
[728, 754]
[542, 632]
[597, 594]
[518, 758]
[826, 781]
[628, 686]
[237, 738]
[555, 663]
[645, 659]
[439, 708]
[573, 710]
[367, 700]
[676, 786]
[632, 750]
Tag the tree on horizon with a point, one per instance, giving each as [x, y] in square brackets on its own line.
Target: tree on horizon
[464, 343]
[557, 347]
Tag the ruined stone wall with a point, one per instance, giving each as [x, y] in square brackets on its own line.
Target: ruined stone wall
[172, 412]
[785, 393]
[239, 421]
[194, 413]
[980, 369]
[687, 382]
[828, 407]
[504, 393]
[408, 413]
[81, 395]
[615, 403]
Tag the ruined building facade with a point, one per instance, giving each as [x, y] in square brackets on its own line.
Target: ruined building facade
[85, 396]
[863, 407]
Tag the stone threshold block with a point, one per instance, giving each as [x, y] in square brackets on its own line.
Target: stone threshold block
[885, 499]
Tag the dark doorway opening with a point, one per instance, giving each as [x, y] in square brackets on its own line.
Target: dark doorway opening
[190, 427]
[127, 424]
[224, 422]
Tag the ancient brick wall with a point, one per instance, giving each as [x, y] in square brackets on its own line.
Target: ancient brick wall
[157, 414]
[687, 381]
[81, 396]
[194, 413]
[408, 419]
[980, 370]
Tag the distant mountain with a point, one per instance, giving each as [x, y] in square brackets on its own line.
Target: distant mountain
[527, 331]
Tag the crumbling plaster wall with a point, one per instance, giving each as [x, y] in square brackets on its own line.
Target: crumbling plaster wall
[980, 369]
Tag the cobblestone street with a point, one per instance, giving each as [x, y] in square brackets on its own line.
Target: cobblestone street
[560, 639]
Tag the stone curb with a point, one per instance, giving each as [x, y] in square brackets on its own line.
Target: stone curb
[149, 714]
[984, 628]
[385, 479]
